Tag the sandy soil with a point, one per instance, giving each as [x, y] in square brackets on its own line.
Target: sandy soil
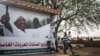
[87, 51]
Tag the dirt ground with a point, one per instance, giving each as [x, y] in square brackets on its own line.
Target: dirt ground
[84, 51]
[87, 51]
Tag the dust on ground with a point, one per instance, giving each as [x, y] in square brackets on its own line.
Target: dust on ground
[86, 51]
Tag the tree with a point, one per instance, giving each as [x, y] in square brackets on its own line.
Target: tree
[81, 14]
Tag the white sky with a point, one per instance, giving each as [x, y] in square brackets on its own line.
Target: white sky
[95, 33]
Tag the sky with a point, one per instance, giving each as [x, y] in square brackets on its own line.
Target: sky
[74, 33]
[90, 34]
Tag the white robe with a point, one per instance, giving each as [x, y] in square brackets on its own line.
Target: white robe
[39, 32]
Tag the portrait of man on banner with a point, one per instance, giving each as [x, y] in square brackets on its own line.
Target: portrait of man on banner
[17, 27]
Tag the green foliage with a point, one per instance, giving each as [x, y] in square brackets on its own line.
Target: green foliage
[33, 1]
[82, 14]
[86, 14]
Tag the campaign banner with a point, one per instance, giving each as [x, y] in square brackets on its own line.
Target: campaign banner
[23, 31]
[12, 45]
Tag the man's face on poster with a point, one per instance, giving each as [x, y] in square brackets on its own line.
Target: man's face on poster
[21, 23]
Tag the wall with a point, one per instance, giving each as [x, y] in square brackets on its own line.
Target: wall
[27, 35]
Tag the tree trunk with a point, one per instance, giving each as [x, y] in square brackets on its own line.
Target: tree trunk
[56, 30]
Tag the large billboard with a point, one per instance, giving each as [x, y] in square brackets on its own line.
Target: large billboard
[23, 31]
